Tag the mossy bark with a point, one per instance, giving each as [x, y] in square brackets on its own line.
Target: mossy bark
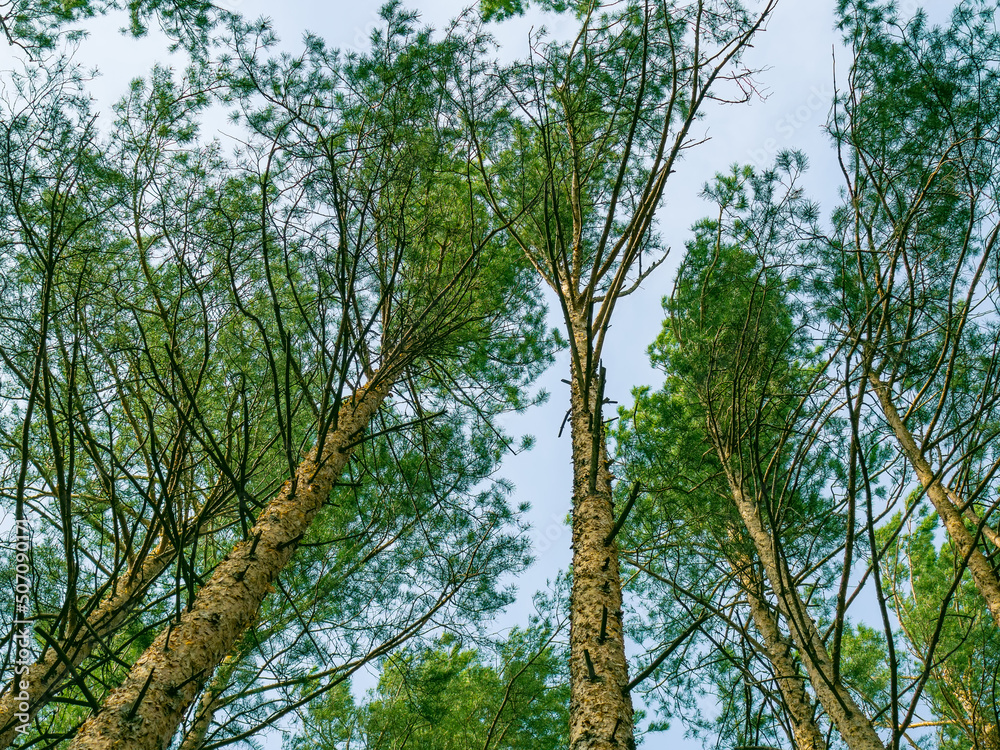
[145, 711]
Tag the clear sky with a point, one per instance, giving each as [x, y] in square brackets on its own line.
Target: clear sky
[796, 56]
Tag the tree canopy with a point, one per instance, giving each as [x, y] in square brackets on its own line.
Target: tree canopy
[256, 386]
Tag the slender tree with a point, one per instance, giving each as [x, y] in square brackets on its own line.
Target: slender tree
[575, 145]
[674, 542]
[909, 264]
[137, 494]
[215, 326]
[736, 350]
[951, 625]
[449, 697]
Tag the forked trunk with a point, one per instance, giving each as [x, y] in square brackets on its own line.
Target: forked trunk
[600, 702]
[852, 724]
[145, 711]
[791, 685]
[38, 685]
[945, 503]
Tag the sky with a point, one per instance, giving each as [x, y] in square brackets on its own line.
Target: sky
[796, 57]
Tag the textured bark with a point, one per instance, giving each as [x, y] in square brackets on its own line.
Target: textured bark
[600, 702]
[46, 674]
[854, 727]
[145, 711]
[207, 705]
[945, 502]
[791, 685]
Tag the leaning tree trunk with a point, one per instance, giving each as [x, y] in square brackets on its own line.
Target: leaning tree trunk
[854, 727]
[805, 731]
[945, 503]
[600, 702]
[209, 702]
[979, 728]
[852, 724]
[45, 675]
[145, 711]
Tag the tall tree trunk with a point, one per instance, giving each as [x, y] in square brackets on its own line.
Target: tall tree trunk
[905, 438]
[852, 724]
[600, 702]
[945, 503]
[854, 727]
[46, 674]
[805, 732]
[145, 711]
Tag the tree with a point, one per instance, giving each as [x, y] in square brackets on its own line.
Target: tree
[446, 697]
[133, 493]
[687, 544]
[400, 284]
[938, 618]
[738, 359]
[575, 145]
[251, 397]
[38, 26]
[907, 271]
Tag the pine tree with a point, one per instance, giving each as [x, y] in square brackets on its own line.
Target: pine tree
[576, 144]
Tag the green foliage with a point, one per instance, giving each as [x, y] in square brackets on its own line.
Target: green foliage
[195, 318]
[739, 368]
[37, 26]
[500, 10]
[919, 142]
[446, 697]
[947, 630]
[863, 665]
[198, 316]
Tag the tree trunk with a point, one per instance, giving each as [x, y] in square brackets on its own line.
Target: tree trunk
[600, 702]
[46, 674]
[945, 503]
[852, 724]
[145, 711]
[854, 727]
[979, 729]
[205, 712]
[805, 732]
